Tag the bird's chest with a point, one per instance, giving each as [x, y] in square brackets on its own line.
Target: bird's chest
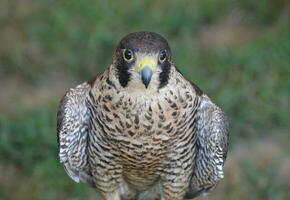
[146, 122]
[141, 126]
[140, 129]
[143, 131]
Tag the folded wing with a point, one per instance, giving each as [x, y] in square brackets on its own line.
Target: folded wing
[72, 130]
[212, 147]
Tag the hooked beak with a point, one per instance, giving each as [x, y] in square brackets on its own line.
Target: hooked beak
[146, 67]
[146, 75]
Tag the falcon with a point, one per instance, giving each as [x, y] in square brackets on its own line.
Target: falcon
[141, 130]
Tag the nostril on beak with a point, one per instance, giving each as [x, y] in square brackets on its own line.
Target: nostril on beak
[146, 75]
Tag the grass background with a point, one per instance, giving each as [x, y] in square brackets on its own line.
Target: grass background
[236, 51]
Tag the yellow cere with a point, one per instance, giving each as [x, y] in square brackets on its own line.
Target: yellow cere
[147, 61]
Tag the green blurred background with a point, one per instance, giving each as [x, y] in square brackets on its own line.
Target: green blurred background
[238, 52]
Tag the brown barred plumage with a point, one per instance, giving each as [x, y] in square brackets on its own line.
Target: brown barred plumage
[164, 139]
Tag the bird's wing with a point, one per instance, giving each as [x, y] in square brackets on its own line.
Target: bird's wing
[72, 131]
[212, 147]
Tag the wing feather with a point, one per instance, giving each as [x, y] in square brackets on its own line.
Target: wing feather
[72, 132]
[212, 147]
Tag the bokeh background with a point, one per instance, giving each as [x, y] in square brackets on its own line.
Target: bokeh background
[238, 52]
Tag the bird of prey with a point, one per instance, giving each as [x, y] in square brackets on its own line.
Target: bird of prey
[141, 130]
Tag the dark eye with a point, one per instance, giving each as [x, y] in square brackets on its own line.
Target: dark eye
[128, 55]
[162, 56]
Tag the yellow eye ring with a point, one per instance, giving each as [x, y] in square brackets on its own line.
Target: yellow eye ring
[162, 56]
[128, 55]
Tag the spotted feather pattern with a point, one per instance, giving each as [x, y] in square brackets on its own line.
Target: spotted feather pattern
[133, 146]
[212, 148]
[72, 130]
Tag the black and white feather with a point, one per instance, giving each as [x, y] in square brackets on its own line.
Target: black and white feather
[130, 140]
[72, 129]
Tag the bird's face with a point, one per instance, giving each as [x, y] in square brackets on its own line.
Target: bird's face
[143, 61]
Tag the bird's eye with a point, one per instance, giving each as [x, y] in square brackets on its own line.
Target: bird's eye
[128, 55]
[162, 56]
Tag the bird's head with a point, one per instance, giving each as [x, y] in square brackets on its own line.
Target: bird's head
[142, 61]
